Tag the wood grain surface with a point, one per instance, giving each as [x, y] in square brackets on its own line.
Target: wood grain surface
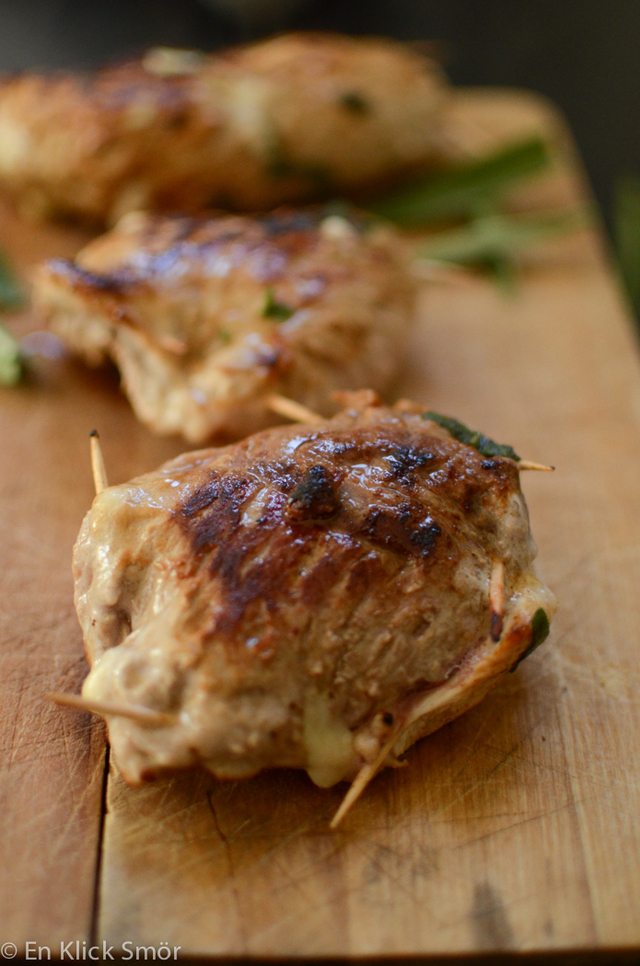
[515, 828]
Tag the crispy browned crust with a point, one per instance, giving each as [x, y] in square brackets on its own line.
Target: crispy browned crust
[339, 571]
[397, 523]
[206, 317]
[294, 118]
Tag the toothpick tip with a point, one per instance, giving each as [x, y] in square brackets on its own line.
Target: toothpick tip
[530, 465]
[138, 713]
[98, 469]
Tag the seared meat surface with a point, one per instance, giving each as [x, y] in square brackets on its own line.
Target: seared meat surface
[207, 317]
[314, 596]
[295, 117]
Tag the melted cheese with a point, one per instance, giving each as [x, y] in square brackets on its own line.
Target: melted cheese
[327, 741]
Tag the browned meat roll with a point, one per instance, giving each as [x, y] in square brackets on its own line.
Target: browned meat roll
[207, 318]
[315, 597]
[292, 118]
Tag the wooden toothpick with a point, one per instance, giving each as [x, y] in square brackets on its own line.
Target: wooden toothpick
[496, 599]
[97, 463]
[137, 712]
[362, 779]
[530, 465]
[291, 409]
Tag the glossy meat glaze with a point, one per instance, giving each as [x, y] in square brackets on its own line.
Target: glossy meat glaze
[206, 317]
[296, 117]
[306, 597]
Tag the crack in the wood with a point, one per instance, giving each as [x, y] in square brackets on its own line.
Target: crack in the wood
[95, 907]
[232, 873]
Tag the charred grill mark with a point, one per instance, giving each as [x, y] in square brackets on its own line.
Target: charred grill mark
[115, 282]
[287, 480]
[396, 531]
[265, 255]
[314, 498]
[425, 535]
[503, 474]
[265, 555]
[404, 459]
[265, 249]
[200, 498]
[335, 447]
[461, 479]
[183, 247]
[239, 594]
[251, 590]
[212, 513]
[283, 475]
[223, 518]
[241, 557]
[281, 223]
[401, 457]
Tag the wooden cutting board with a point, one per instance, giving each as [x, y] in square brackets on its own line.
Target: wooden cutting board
[515, 827]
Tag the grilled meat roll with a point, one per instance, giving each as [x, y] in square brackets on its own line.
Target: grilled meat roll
[288, 119]
[316, 597]
[206, 318]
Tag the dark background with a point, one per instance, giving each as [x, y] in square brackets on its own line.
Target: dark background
[584, 54]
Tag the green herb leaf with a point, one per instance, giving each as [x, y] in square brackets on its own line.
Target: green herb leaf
[224, 336]
[467, 190]
[11, 293]
[494, 238]
[275, 310]
[470, 437]
[355, 102]
[539, 633]
[626, 230]
[11, 361]
[505, 274]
